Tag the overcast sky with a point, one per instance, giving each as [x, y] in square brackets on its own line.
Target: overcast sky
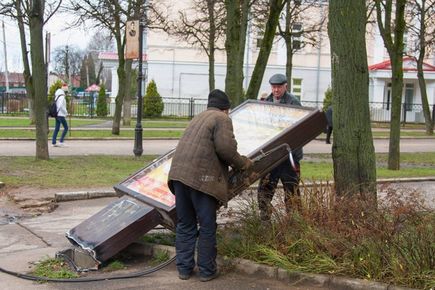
[59, 37]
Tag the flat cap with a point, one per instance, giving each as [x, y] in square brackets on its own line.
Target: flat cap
[278, 79]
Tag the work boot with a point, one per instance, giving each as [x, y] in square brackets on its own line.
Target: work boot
[208, 278]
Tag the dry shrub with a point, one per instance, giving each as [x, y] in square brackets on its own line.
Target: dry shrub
[389, 239]
[13, 106]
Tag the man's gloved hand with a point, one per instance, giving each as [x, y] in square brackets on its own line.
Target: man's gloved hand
[248, 163]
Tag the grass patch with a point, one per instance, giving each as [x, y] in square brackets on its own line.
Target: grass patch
[159, 257]
[105, 171]
[77, 122]
[115, 265]
[92, 171]
[53, 269]
[25, 122]
[167, 239]
[30, 133]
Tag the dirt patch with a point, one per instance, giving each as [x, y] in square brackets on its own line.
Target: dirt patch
[31, 200]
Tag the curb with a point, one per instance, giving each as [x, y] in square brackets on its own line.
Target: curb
[80, 195]
[295, 278]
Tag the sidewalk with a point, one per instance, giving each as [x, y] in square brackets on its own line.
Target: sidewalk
[161, 146]
[27, 240]
[24, 241]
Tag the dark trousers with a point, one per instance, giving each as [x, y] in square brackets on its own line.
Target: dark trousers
[267, 186]
[195, 207]
[60, 120]
[328, 134]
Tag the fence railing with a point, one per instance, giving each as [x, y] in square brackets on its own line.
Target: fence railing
[17, 103]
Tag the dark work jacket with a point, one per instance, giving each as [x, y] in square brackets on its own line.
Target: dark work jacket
[203, 154]
[289, 99]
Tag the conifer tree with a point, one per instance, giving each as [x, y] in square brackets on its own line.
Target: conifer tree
[102, 103]
[153, 103]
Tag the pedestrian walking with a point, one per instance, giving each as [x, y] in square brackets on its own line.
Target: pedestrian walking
[60, 99]
[199, 179]
[288, 172]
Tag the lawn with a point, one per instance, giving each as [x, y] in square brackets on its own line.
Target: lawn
[96, 171]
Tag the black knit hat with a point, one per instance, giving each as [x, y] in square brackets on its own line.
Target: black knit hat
[218, 99]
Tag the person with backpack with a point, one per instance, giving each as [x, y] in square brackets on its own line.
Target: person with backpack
[61, 113]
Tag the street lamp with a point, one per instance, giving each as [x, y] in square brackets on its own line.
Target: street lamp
[138, 149]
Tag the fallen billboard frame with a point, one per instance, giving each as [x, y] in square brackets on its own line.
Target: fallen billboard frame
[265, 132]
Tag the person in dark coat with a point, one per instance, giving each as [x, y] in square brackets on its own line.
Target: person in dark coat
[328, 115]
[199, 179]
[288, 173]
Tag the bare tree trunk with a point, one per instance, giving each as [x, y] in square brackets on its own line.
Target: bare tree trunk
[237, 18]
[275, 9]
[426, 110]
[390, 27]
[211, 45]
[420, 73]
[353, 151]
[24, 55]
[122, 84]
[126, 118]
[289, 63]
[39, 73]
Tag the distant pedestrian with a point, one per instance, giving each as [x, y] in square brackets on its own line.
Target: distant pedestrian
[199, 179]
[328, 114]
[60, 98]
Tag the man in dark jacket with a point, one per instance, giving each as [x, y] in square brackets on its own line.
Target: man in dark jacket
[199, 179]
[288, 173]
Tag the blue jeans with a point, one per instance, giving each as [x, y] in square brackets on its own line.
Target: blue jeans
[195, 207]
[59, 120]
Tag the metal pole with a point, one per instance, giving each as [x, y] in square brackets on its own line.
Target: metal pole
[6, 59]
[138, 149]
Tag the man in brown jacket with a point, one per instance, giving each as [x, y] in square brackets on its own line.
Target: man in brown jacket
[199, 179]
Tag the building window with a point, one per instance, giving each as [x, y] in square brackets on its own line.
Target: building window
[387, 98]
[297, 35]
[409, 96]
[296, 88]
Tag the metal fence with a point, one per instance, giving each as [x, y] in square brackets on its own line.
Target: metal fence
[17, 103]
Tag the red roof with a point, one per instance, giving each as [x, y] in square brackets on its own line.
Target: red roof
[409, 64]
[108, 55]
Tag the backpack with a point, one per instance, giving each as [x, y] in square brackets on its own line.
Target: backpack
[52, 109]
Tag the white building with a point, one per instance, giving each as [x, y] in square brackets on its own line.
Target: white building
[181, 71]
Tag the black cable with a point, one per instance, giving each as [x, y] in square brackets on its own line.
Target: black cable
[75, 280]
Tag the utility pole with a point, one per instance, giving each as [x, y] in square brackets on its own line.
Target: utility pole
[6, 58]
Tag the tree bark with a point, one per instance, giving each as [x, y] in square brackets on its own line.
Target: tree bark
[24, 55]
[390, 27]
[275, 9]
[420, 74]
[211, 45]
[237, 11]
[126, 118]
[353, 151]
[39, 76]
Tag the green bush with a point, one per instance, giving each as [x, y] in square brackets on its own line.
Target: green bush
[102, 103]
[53, 88]
[327, 101]
[153, 103]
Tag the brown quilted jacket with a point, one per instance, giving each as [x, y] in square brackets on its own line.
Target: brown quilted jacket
[204, 153]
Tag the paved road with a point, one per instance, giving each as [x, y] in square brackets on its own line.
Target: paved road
[158, 147]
